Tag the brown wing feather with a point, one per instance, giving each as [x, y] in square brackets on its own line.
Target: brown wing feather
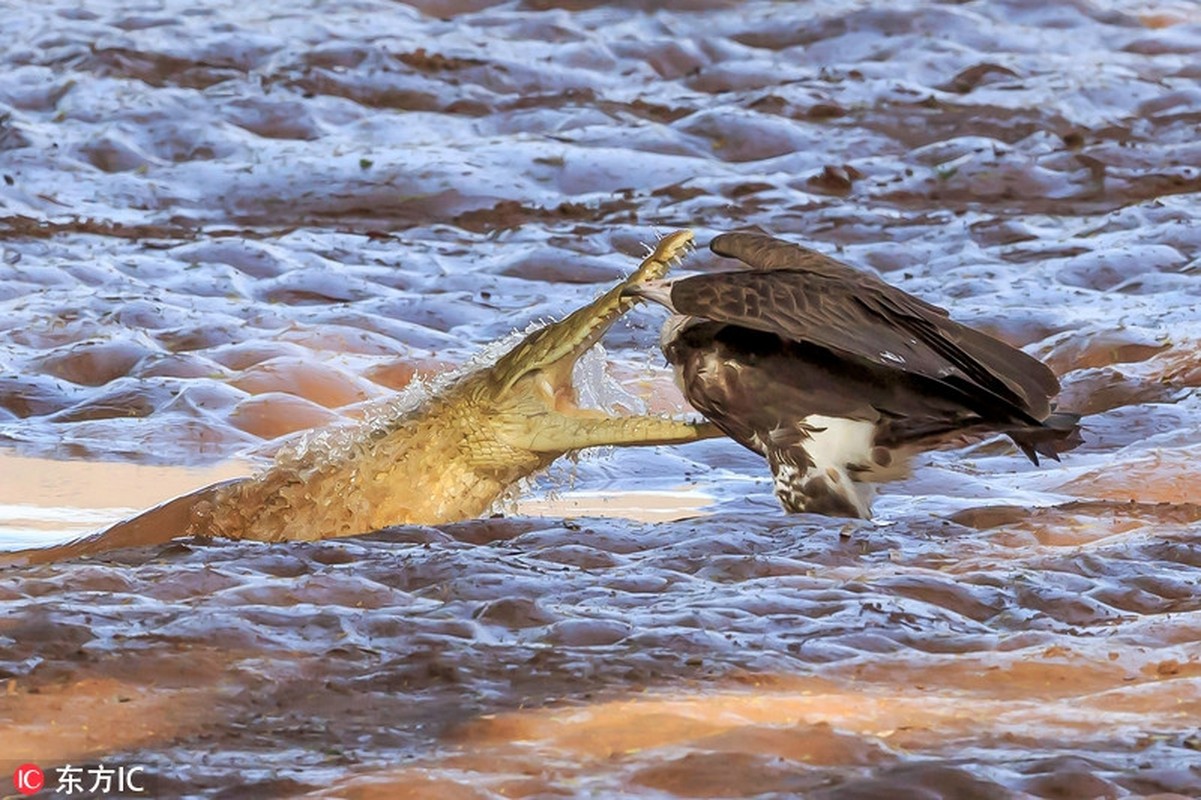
[807, 296]
[764, 252]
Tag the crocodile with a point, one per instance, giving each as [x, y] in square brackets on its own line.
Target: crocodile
[445, 459]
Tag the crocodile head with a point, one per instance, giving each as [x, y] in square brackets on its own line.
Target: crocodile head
[529, 390]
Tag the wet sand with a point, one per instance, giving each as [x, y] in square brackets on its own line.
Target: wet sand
[223, 225]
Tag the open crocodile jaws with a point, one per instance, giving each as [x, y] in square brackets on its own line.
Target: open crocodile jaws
[450, 458]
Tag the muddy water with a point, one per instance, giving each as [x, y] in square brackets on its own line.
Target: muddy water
[225, 223]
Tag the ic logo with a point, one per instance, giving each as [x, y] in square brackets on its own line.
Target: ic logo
[28, 779]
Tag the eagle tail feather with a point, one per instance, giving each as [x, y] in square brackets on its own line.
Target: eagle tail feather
[1057, 434]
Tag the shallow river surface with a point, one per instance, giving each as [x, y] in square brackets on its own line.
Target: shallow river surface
[225, 223]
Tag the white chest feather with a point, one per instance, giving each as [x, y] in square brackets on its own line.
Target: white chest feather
[834, 443]
[839, 452]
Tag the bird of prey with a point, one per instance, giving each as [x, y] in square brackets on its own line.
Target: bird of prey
[837, 378]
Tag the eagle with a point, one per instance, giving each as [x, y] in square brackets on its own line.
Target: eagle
[838, 378]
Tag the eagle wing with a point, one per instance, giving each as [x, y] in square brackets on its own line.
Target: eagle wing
[805, 296]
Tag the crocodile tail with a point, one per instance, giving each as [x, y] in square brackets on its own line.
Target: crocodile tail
[157, 525]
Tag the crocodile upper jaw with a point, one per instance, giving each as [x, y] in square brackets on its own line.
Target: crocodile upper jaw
[532, 388]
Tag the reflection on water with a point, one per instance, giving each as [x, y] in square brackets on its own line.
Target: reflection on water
[228, 223]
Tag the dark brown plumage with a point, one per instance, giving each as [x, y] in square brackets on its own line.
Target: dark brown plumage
[836, 377]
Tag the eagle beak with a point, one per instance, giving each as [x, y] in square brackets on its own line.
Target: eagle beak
[657, 291]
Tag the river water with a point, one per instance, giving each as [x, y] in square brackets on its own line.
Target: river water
[223, 223]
